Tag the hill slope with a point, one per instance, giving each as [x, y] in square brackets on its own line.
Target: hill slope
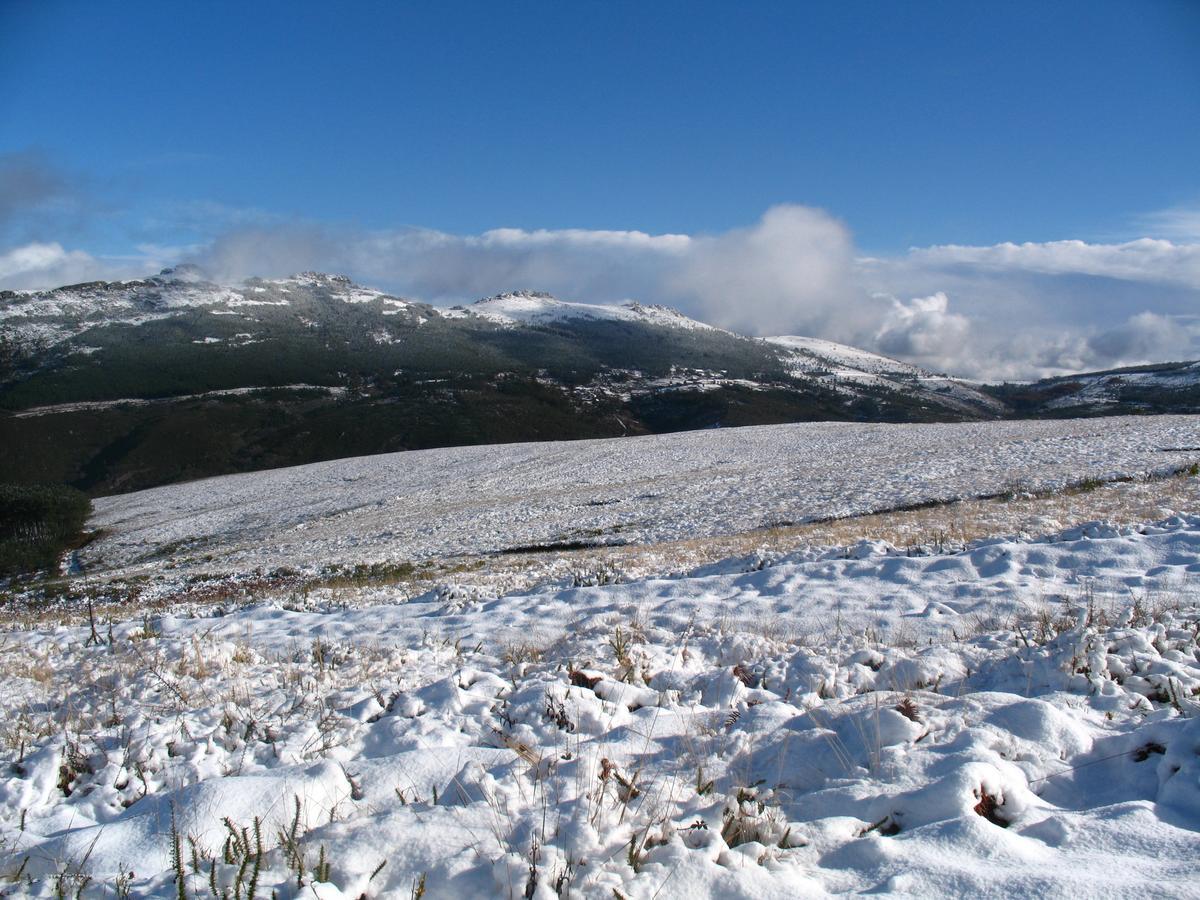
[1173, 387]
[1012, 716]
[119, 386]
[414, 506]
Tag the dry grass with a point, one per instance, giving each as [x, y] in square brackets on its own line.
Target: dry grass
[938, 527]
[935, 528]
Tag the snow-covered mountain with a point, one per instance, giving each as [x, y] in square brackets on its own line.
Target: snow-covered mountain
[815, 354]
[537, 308]
[1133, 389]
[114, 386]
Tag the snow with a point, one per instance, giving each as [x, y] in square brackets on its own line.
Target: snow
[395, 306]
[538, 308]
[83, 405]
[383, 336]
[1018, 717]
[843, 359]
[421, 504]
[50, 317]
[836, 363]
[358, 294]
[835, 722]
[248, 301]
[1105, 388]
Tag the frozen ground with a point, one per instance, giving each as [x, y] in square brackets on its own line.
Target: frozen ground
[1009, 716]
[437, 503]
[1015, 719]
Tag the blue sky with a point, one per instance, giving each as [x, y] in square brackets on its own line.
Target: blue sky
[142, 132]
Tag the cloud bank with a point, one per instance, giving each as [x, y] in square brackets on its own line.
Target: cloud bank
[1010, 310]
[1007, 311]
[791, 270]
[41, 265]
[1145, 259]
[1017, 311]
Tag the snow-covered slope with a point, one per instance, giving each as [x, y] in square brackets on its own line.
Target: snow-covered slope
[532, 307]
[1136, 389]
[1109, 388]
[842, 365]
[1017, 719]
[841, 359]
[54, 316]
[47, 318]
[422, 504]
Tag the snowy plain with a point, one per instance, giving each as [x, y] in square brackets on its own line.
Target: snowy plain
[420, 504]
[1013, 717]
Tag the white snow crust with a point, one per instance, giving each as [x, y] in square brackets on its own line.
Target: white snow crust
[538, 308]
[828, 722]
[843, 359]
[1020, 717]
[419, 504]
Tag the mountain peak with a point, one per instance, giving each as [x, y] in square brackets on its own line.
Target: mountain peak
[841, 358]
[503, 296]
[189, 273]
[323, 277]
[538, 307]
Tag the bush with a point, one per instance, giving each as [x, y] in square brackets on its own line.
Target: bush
[38, 523]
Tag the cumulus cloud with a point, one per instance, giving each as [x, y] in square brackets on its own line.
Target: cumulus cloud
[791, 270]
[1147, 337]
[1052, 308]
[927, 332]
[923, 331]
[42, 265]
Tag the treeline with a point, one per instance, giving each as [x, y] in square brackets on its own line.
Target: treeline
[38, 523]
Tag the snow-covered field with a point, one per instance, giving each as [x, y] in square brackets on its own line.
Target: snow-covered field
[469, 500]
[1014, 718]
[1018, 718]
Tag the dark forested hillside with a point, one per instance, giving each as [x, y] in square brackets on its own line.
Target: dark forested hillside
[116, 387]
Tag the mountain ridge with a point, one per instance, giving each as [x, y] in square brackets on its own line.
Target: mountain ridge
[124, 385]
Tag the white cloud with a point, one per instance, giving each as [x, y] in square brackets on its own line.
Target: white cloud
[21, 261]
[1181, 223]
[1148, 337]
[1146, 259]
[599, 266]
[789, 271]
[923, 331]
[1038, 309]
[1002, 311]
[46, 265]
